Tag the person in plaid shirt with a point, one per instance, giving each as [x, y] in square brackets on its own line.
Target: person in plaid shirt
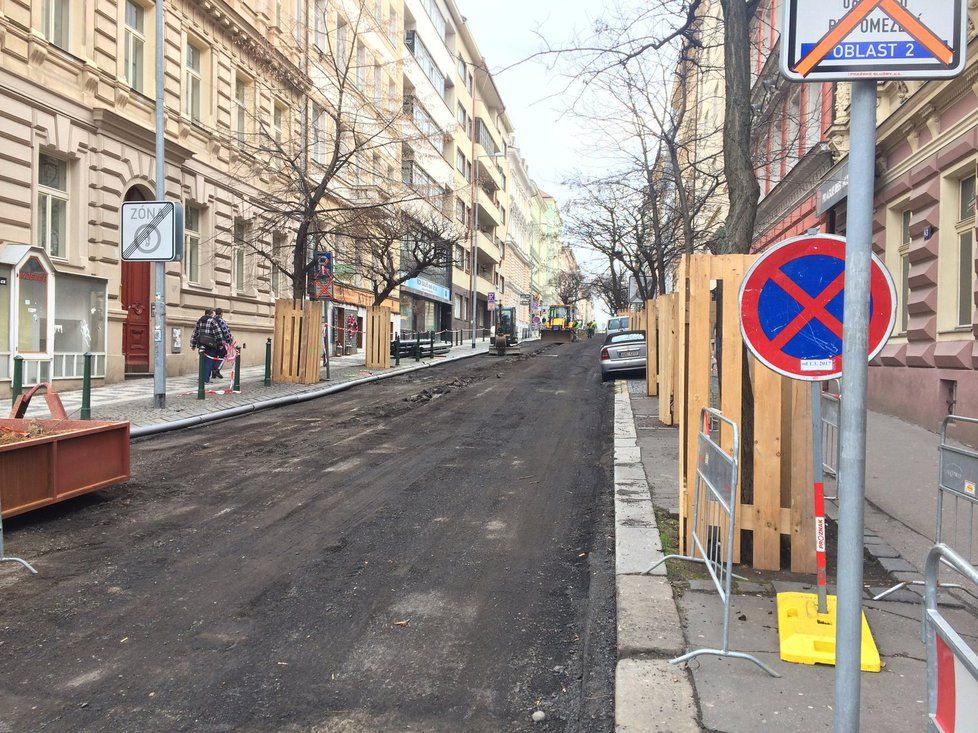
[207, 336]
[227, 340]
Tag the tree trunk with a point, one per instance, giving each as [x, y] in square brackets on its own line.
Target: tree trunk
[742, 187]
[299, 262]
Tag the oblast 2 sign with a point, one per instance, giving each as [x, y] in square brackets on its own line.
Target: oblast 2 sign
[838, 40]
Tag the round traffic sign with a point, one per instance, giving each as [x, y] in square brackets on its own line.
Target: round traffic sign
[791, 304]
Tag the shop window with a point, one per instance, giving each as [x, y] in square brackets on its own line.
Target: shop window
[52, 205]
[966, 250]
[6, 284]
[32, 308]
[191, 243]
[135, 45]
[54, 22]
[79, 325]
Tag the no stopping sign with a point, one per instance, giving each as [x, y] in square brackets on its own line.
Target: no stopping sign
[791, 307]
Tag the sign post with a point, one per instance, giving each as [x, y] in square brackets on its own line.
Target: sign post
[862, 41]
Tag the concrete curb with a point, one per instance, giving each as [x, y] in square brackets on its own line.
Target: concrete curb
[231, 412]
[650, 693]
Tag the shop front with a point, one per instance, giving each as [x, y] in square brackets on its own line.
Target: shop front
[51, 319]
[344, 316]
[426, 306]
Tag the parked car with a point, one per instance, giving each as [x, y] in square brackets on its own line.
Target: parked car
[617, 324]
[624, 351]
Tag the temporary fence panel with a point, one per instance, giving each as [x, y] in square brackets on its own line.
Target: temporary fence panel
[713, 519]
[952, 665]
[296, 342]
[831, 405]
[652, 348]
[666, 327]
[776, 497]
[378, 338]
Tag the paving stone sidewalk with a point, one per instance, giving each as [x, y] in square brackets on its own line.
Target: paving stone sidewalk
[133, 400]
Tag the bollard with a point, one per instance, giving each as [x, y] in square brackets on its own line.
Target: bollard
[397, 350]
[86, 405]
[268, 363]
[431, 344]
[17, 385]
[202, 365]
[237, 372]
[417, 346]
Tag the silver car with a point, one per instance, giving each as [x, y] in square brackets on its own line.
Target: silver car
[623, 352]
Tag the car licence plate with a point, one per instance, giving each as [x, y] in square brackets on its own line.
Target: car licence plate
[629, 352]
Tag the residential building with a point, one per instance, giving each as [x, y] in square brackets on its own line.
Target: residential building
[518, 261]
[549, 225]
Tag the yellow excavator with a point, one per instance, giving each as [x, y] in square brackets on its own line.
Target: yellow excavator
[561, 324]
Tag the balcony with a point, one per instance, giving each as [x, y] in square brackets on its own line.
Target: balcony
[489, 214]
[489, 250]
[484, 286]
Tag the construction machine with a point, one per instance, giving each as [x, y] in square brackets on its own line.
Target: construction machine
[506, 339]
[561, 324]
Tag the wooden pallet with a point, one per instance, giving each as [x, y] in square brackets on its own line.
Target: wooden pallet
[297, 342]
[377, 338]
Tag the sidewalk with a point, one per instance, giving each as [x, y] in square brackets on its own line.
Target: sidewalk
[731, 696]
[133, 400]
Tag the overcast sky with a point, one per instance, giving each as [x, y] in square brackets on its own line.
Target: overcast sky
[506, 31]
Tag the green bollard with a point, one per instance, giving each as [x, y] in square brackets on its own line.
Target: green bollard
[86, 404]
[268, 363]
[202, 366]
[237, 372]
[17, 385]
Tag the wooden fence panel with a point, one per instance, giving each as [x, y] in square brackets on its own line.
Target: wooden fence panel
[767, 468]
[667, 349]
[297, 342]
[378, 338]
[698, 366]
[652, 348]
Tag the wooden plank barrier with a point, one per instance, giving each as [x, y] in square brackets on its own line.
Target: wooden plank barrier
[297, 342]
[700, 325]
[378, 337]
[652, 349]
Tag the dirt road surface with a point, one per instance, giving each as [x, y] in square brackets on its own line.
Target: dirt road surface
[429, 553]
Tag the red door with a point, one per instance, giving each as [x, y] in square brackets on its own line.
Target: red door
[135, 330]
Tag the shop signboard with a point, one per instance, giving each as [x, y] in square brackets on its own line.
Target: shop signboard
[423, 286]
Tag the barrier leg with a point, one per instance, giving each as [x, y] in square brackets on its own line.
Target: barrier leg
[86, 403]
[268, 363]
[202, 366]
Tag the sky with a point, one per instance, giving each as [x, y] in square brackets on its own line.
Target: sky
[552, 142]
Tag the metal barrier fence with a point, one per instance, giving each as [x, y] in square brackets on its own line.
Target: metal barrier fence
[957, 497]
[830, 407]
[952, 666]
[712, 525]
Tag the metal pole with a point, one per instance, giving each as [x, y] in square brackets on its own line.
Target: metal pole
[818, 481]
[86, 403]
[159, 356]
[236, 382]
[203, 366]
[268, 362]
[852, 423]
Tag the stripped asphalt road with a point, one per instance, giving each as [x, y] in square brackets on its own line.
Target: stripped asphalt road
[428, 553]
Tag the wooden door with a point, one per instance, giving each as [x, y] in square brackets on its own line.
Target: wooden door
[135, 330]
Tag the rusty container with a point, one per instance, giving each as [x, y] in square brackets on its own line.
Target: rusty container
[82, 456]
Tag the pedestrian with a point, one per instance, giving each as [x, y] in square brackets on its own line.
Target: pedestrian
[227, 340]
[207, 336]
[195, 338]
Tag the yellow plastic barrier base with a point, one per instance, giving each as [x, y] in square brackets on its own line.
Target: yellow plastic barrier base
[809, 638]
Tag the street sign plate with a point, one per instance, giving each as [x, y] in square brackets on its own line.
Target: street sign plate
[152, 231]
[843, 40]
[791, 305]
[322, 276]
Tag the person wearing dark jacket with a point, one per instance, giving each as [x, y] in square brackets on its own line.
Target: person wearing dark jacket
[195, 338]
[227, 340]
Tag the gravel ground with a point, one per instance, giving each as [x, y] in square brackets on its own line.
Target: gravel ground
[429, 553]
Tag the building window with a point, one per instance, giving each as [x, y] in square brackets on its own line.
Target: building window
[278, 13]
[361, 70]
[342, 47]
[52, 205]
[32, 308]
[54, 22]
[278, 124]
[239, 255]
[135, 45]
[191, 243]
[905, 271]
[966, 249]
[458, 311]
[319, 26]
[192, 81]
[319, 135]
[240, 111]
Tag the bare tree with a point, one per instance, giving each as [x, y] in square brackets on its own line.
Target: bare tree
[388, 247]
[611, 287]
[570, 287]
[326, 148]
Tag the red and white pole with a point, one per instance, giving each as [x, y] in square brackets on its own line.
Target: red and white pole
[823, 601]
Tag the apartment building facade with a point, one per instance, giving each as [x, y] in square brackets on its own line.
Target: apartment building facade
[518, 262]
[924, 219]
